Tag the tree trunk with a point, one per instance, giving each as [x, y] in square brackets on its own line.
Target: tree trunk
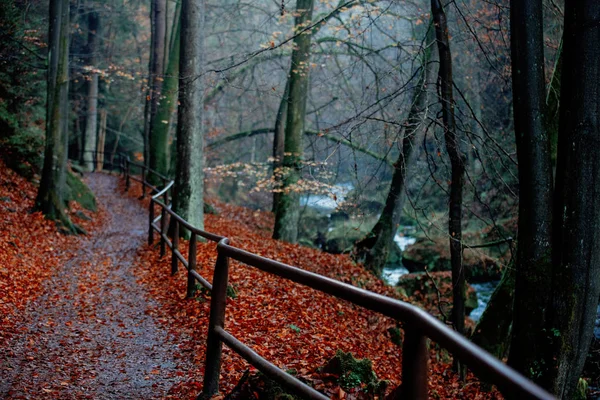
[158, 147]
[91, 120]
[161, 122]
[49, 197]
[576, 246]
[101, 140]
[457, 163]
[533, 266]
[189, 181]
[373, 251]
[279, 143]
[288, 210]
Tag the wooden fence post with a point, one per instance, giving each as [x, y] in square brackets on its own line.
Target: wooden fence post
[415, 360]
[191, 281]
[214, 346]
[150, 221]
[174, 260]
[163, 231]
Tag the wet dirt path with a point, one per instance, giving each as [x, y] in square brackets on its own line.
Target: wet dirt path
[90, 335]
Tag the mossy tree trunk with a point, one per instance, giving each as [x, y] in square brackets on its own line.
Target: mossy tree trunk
[288, 209]
[160, 157]
[50, 193]
[189, 180]
[373, 251]
[158, 21]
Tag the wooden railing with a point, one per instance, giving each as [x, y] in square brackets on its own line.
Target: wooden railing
[417, 324]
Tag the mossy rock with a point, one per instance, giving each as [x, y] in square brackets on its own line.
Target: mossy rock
[355, 374]
[435, 256]
[78, 191]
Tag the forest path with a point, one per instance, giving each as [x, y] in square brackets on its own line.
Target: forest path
[89, 335]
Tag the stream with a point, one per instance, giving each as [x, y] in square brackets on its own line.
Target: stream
[391, 275]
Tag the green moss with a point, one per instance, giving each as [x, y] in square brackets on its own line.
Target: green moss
[78, 191]
[355, 373]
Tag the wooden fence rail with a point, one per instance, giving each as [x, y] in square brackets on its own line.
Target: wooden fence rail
[417, 324]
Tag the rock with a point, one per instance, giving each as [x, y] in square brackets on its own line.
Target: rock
[435, 255]
[421, 286]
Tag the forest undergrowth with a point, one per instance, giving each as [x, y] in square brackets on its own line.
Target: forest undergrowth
[295, 327]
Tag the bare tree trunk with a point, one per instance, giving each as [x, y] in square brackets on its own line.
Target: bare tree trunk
[156, 146]
[288, 209]
[457, 163]
[189, 182]
[279, 142]
[91, 121]
[533, 267]
[373, 251]
[576, 245]
[49, 197]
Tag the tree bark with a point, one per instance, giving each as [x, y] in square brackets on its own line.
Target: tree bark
[288, 210]
[279, 142]
[457, 163]
[157, 146]
[576, 246]
[91, 120]
[49, 197]
[162, 119]
[373, 251]
[535, 177]
[189, 181]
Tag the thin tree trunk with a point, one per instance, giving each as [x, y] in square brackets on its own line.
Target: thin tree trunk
[576, 246]
[457, 163]
[373, 251]
[118, 136]
[288, 210]
[49, 197]
[91, 122]
[158, 149]
[189, 181]
[533, 265]
[279, 143]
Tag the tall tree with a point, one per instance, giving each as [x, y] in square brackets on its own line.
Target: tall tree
[457, 164]
[189, 180]
[576, 245]
[162, 119]
[535, 190]
[157, 148]
[375, 248]
[91, 119]
[288, 208]
[558, 271]
[49, 197]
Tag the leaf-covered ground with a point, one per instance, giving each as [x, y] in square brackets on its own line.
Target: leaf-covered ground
[79, 327]
[294, 327]
[100, 316]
